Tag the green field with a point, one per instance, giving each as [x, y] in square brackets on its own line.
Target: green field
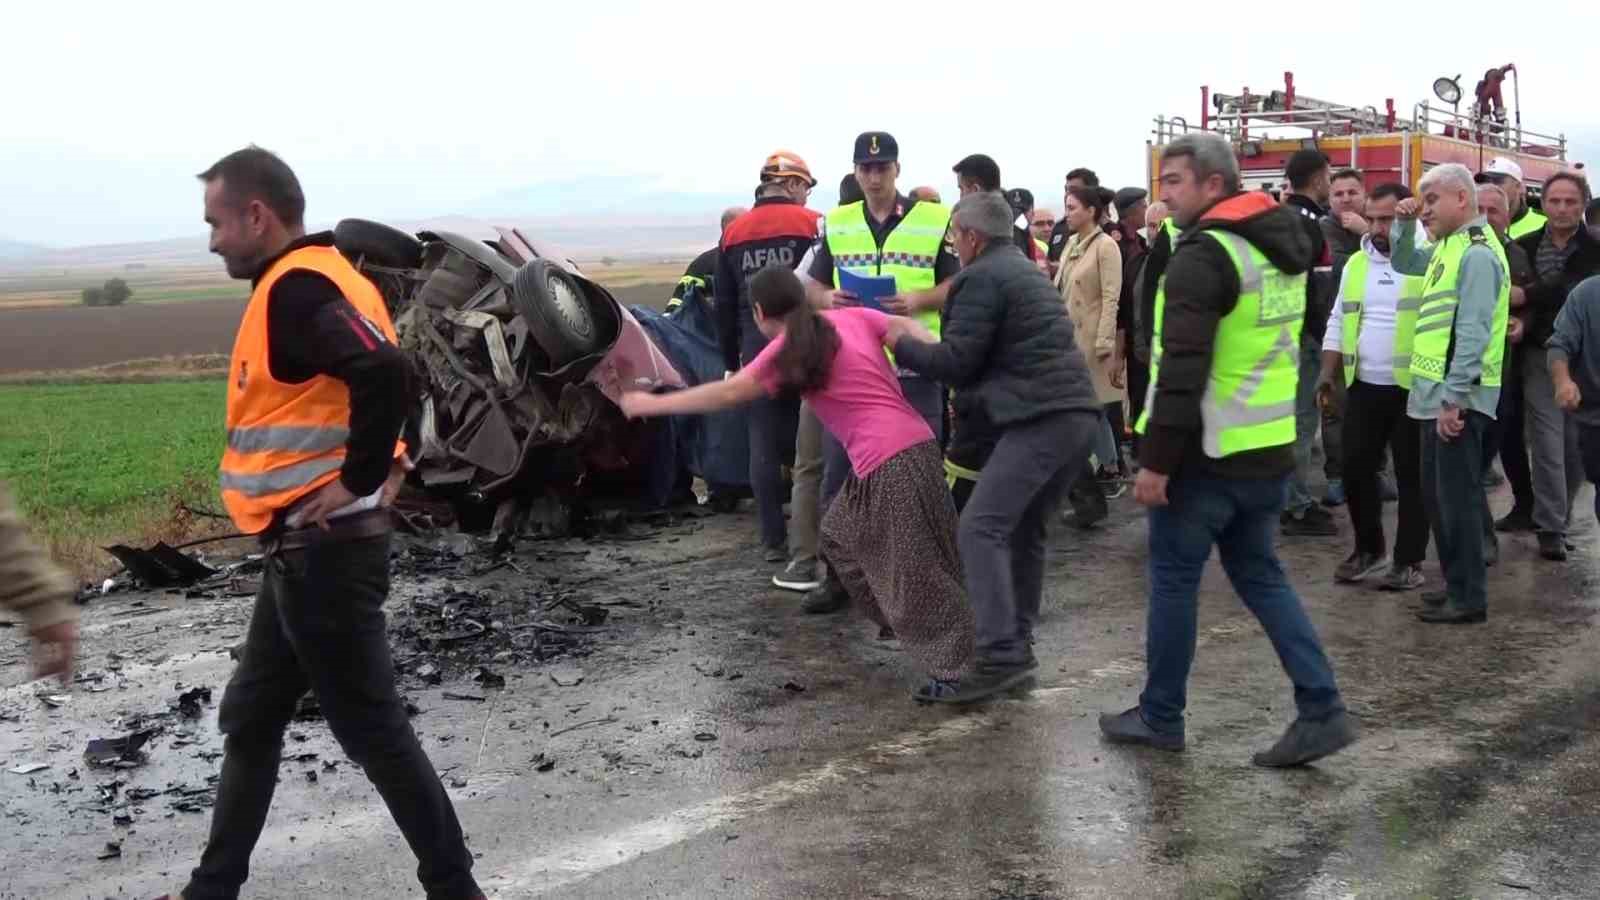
[96, 464]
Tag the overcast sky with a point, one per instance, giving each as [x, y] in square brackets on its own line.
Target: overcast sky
[408, 110]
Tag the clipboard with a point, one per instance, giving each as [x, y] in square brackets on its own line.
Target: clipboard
[870, 290]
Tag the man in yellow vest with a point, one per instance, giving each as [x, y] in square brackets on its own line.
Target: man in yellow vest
[317, 397]
[1507, 174]
[1366, 357]
[1219, 432]
[1457, 365]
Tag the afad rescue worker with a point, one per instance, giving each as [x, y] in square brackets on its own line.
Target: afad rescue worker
[1457, 363]
[1219, 432]
[317, 396]
[777, 232]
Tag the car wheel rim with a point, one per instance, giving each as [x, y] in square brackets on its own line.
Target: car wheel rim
[570, 306]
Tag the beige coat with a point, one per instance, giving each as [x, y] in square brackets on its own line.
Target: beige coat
[1090, 281]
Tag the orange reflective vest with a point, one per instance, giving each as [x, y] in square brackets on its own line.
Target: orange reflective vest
[287, 440]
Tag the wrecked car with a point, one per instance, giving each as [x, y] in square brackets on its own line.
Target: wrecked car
[523, 359]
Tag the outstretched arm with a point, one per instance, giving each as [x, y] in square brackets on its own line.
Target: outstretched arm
[739, 390]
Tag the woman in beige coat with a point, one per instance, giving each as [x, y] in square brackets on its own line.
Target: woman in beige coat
[1090, 280]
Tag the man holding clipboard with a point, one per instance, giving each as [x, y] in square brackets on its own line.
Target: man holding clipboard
[887, 252]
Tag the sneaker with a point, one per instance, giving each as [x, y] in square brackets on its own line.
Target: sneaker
[1314, 522]
[1306, 742]
[799, 576]
[1435, 599]
[1552, 546]
[1515, 520]
[1388, 491]
[774, 554]
[829, 598]
[1335, 493]
[1359, 566]
[1452, 615]
[1129, 727]
[1113, 489]
[1402, 577]
[1492, 478]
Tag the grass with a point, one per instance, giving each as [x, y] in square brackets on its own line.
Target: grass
[96, 464]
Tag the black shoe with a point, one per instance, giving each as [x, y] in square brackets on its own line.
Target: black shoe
[1552, 546]
[1129, 727]
[1306, 742]
[1314, 522]
[830, 598]
[1516, 520]
[1448, 614]
[989, 679]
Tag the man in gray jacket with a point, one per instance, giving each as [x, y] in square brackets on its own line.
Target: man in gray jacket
[1008, 352]
[1574, 358]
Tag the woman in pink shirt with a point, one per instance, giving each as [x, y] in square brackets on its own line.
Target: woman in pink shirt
[890, 534]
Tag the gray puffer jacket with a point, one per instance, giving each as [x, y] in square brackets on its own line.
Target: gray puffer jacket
[1007, 344]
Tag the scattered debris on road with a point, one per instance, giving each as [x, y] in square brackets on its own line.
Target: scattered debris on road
[122, 752]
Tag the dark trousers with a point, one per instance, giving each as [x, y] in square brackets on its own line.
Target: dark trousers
[772, 426]
[1507, 436]
[1005, 522]
[1458, 511]
[1138, 384]
[319, 625]
[1589, 446]
[1115, 419]
[1375, 418]
[1241, 519]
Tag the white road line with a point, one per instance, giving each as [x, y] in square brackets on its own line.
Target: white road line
[587, 857]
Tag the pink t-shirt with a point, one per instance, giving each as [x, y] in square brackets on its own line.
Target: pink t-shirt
[862, 404]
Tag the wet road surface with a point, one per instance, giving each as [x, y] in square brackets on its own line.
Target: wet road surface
[721, 744]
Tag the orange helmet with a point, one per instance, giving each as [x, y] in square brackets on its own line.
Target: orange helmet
[786, 164]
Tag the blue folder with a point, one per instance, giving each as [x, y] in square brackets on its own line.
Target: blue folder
[870, 290]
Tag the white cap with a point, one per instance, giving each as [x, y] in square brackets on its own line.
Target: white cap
[1501, 165]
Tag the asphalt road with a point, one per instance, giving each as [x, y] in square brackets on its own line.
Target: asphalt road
[721, 744]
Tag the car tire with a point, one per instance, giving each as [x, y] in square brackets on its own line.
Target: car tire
[377, 243]
[557, 311]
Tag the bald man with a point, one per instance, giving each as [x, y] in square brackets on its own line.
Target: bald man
[702, 271]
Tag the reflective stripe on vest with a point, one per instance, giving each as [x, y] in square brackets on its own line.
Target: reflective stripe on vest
[286, 440]
[909, 252]
[1530, 222]
[1255, 361]
[954, 473]
[1431, 349]
[1353, 301]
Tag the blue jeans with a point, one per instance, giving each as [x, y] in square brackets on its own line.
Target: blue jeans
[1241, 519]
[1307, 419]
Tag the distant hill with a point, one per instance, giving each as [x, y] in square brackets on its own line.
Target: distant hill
[15, 250]
[600, 195]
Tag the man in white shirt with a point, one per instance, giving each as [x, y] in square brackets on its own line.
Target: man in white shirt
[1368, 348]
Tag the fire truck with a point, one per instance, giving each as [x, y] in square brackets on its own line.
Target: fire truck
[1266, 128]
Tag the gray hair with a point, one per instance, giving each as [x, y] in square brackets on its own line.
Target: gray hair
[1208, 154]
[1491, 186]
[985, 212]
[1452, 176]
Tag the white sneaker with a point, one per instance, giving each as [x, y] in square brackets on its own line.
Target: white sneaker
[799, 577]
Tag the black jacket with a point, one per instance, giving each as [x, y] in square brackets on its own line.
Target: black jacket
[1151, 268]
[775, 233]
[1202, 287]
[1320, 286]
[1007, 348]
[1545, 298]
